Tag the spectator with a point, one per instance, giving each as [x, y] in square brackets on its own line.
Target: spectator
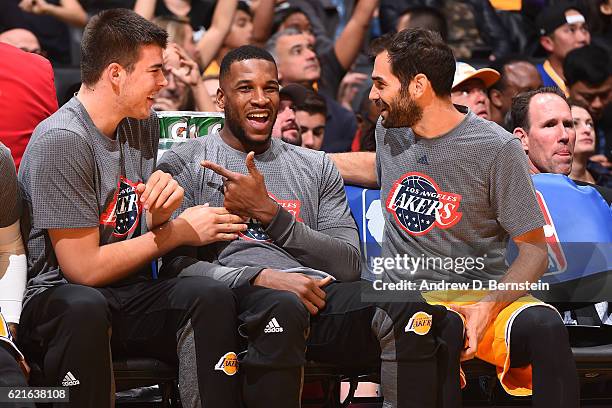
[470, 88]
[367, 115]
[53, 34]
[311, 116]
[585, 142]
[474, 27]
[185, 89]
[294, 17]
[589, 79]
[517, 74]
[562, 28]
[23, 39]
[13, 275]
[28, 80]
[286, 127]
[67, 11]
[542, 120]
[211, 83]
[198, 12]
[98, 216]
[179, 32]
[240, 33]
[425, 17]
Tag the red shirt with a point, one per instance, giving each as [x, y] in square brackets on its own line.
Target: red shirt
[27, 96]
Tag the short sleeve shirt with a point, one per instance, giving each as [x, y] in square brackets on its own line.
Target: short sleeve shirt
[455, 196]
[73, 176]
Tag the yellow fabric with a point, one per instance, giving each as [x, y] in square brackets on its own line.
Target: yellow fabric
[494, 348]
[212, 69]
[555, 77]
[511, 5]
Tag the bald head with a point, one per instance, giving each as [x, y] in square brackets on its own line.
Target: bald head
[22, 39]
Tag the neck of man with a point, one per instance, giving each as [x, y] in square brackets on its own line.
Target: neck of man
[232, 141]
[439, 117]
[557, 65]
[105, 116]
[307, 84]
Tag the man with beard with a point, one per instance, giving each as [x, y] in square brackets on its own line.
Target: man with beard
[286, 126]
[452, 183]
[287, 268]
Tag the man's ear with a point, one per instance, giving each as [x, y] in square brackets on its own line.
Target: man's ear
[523, 137]
[547, 43]
[419, 86]
[496, 98]
[220, 100]
[114, 72]
[605, 8]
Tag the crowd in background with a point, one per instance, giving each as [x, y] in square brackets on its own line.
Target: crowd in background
[504, 47]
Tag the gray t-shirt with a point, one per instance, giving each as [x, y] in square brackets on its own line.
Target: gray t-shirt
[313, 231]
[456, 196]
[10, 198]
[72, 176]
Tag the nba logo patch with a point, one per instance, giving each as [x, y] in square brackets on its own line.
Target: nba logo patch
[556, 257]
[418, 204]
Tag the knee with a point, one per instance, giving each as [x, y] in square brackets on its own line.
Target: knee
[206, 294]
[288, 305]
[81, 307]
[542, 322]
[451, 331]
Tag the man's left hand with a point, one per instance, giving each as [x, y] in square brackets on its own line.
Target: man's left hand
[477, 318]
[160, 196]
[246, 194]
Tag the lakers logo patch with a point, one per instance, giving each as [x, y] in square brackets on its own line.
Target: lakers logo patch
[418, 204]
[419, 323]
[228, 363]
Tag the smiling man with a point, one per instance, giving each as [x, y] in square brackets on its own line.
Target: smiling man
[97, 216]
[451, 181]
[295, 270]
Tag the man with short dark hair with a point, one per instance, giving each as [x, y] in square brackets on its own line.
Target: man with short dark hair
[450, 182]
[589, 79]
[295, 269]
[299, 63]
[311, 115]
[426, 17]
[562, 28]
[98, 216]
[517, 74]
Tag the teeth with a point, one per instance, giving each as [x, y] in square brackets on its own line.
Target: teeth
[258, 115]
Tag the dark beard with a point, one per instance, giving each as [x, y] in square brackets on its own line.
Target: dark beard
[232, 121]
[402, 112]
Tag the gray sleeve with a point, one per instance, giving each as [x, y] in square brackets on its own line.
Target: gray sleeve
[512, 192]
[61, 181]
[184, 261]
[10, 198]
[181, 168]
[334, 246]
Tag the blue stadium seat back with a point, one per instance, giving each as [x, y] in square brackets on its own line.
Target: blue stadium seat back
[366, 207]
[578, 229]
